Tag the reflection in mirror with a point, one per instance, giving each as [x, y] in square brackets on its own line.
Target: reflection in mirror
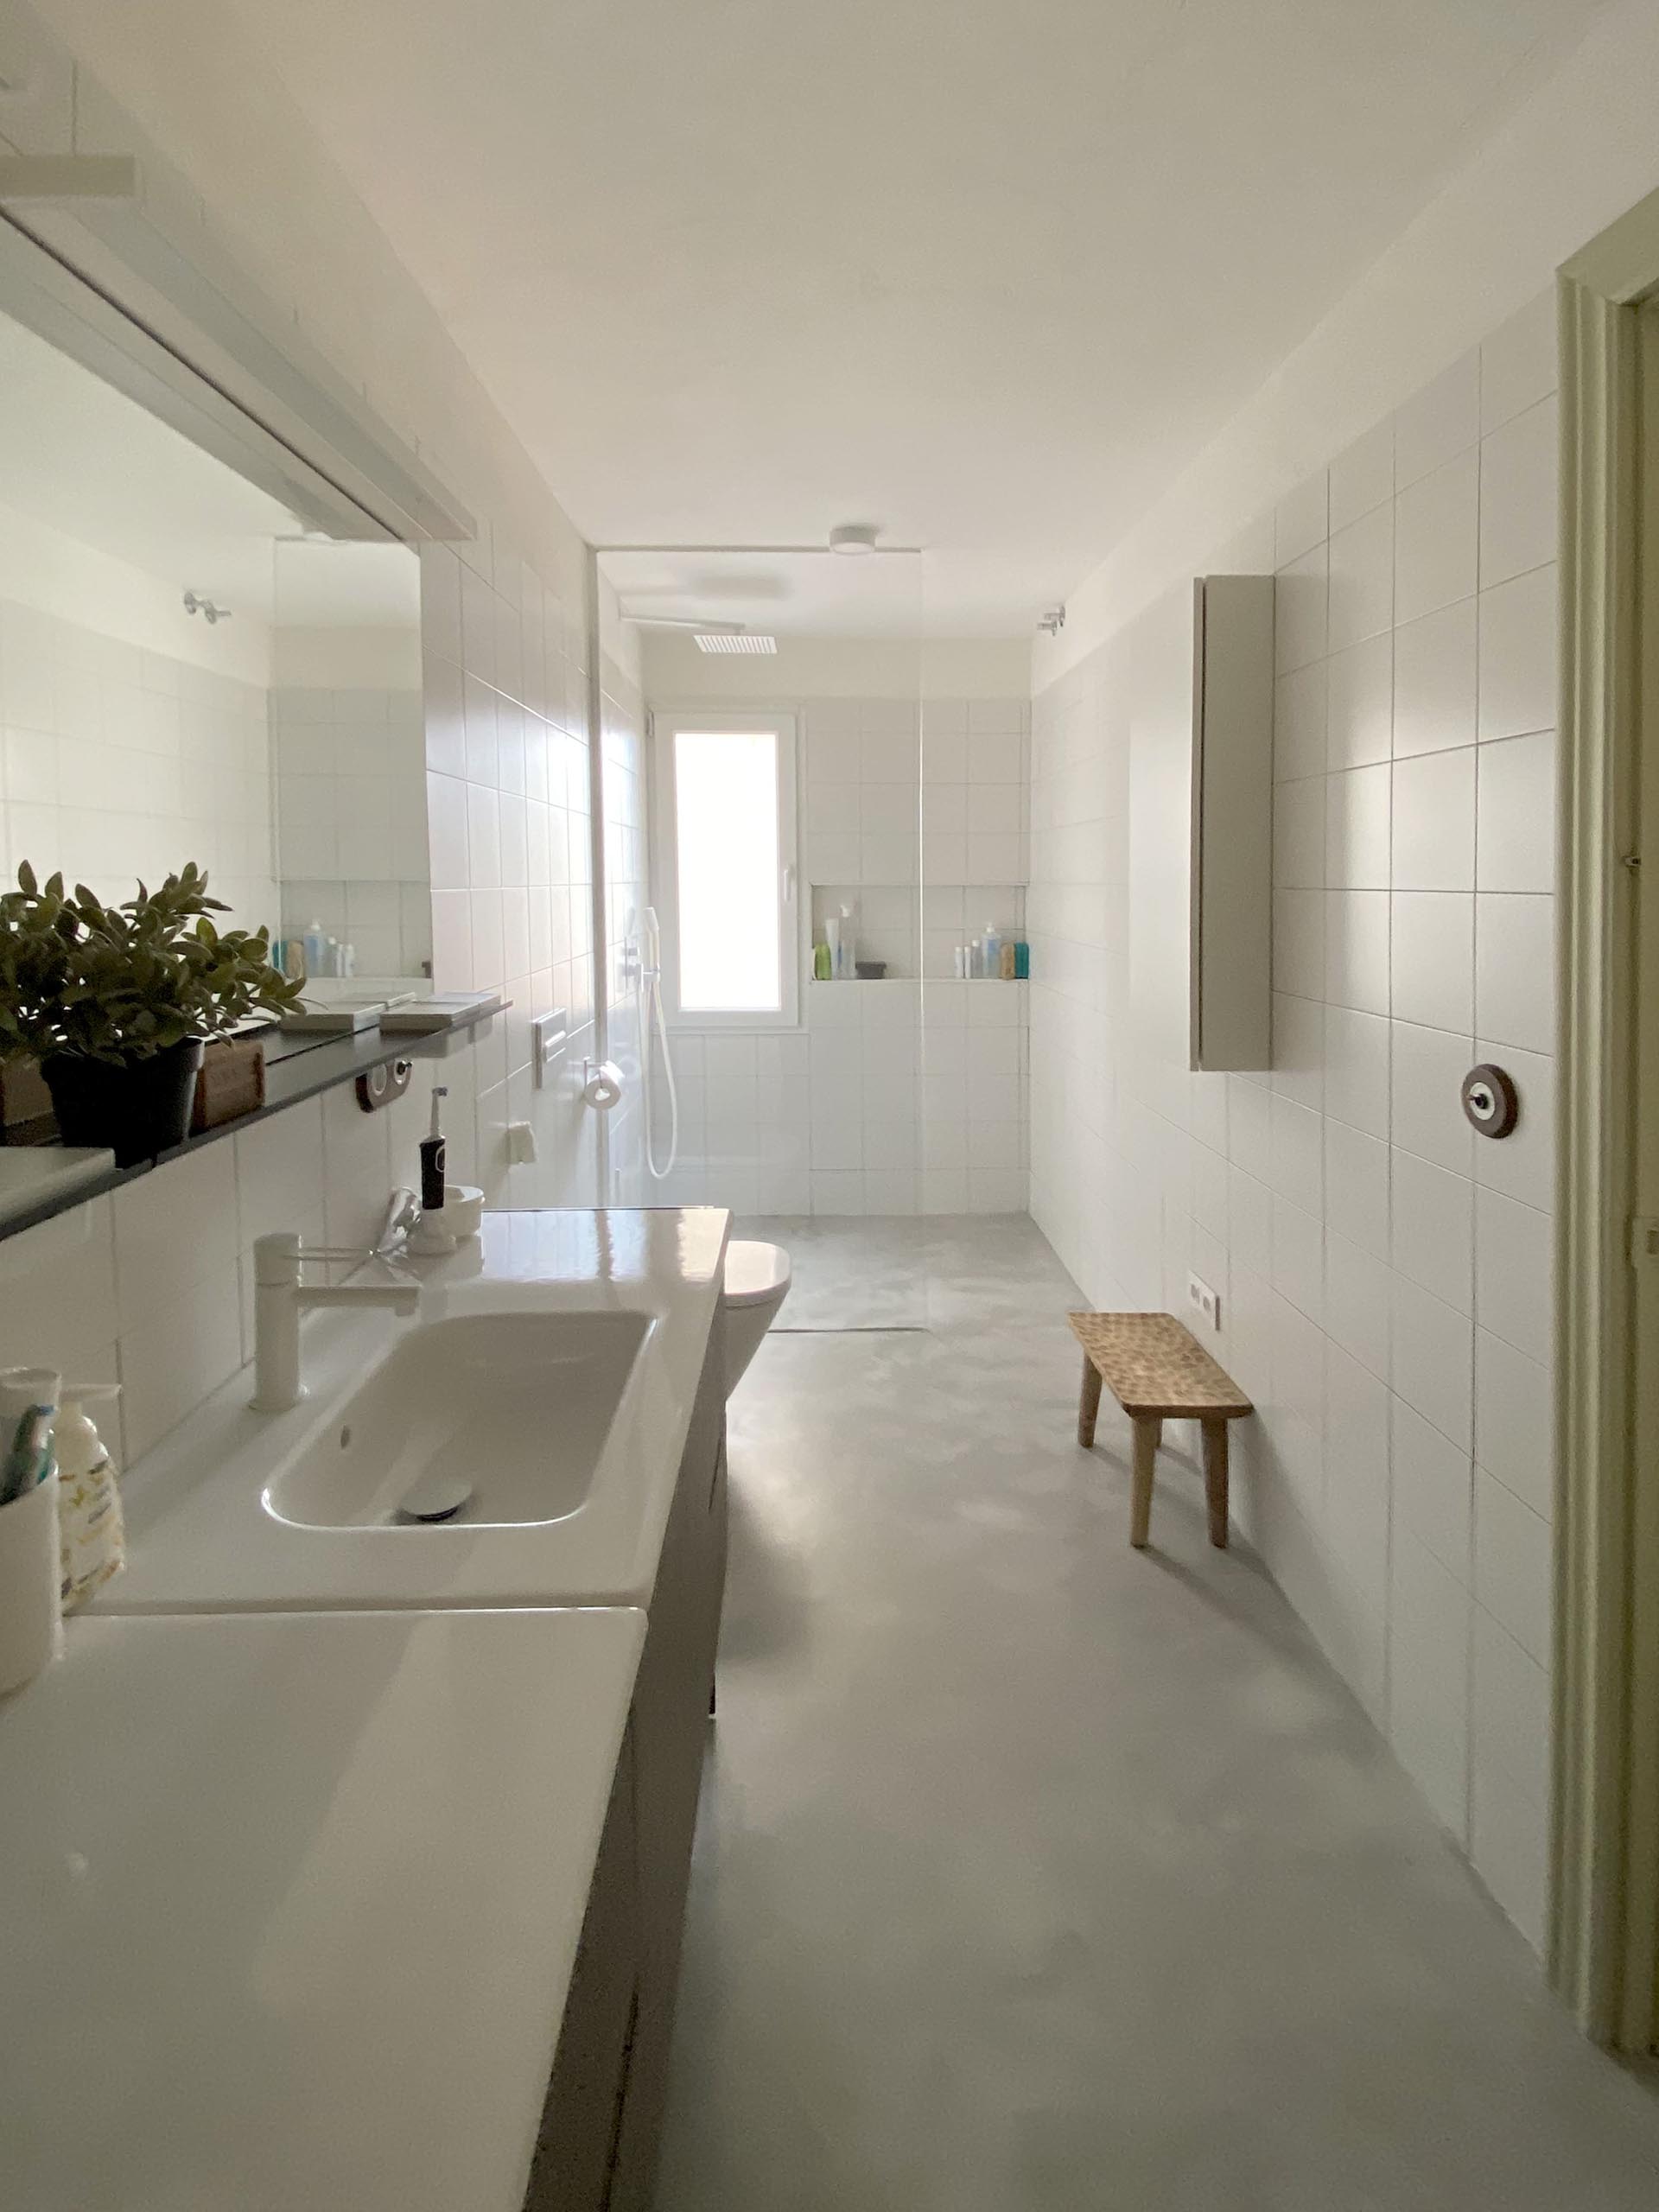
[348, 752]
[189, 674]
[135, 604]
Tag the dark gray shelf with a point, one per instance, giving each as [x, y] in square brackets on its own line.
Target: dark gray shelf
[296, 1068]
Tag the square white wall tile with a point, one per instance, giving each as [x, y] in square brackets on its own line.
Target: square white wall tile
[1432, 1353]
[1514, 1413]
[1298, 810]
[1520, 523]
[1437, 539]
[1357, 1187]
[177, 1354]
[172, 1227]
[1434, 821]
[1433, 1491]
[1433, 1233]
[1356, 953]
[58, 1293]
[1514, 969]
[1360, 703]
[1519, 665]
[1516, 844]
[1356, 1069]
[1298, 1050]
[1298, 722]
[1514, 1272]
[1361, 587]
[1358, 1304]
[1357, 829]
[1299, 943]
[1432, 957]
[1435, 681]
[1513, 1565]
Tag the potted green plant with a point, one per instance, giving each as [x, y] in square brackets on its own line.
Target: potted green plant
[116, 1002]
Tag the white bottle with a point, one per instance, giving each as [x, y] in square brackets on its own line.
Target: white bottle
[91, 1533]
[314, 942]
[990, 951]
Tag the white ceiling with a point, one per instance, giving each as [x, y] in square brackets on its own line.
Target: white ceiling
[85, 458]
[739, 271]
[789, 594]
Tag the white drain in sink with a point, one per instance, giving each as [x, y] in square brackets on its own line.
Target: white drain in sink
[436, 1496]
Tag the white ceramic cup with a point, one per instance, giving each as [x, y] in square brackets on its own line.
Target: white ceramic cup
[31, 1584]
[463, 1209]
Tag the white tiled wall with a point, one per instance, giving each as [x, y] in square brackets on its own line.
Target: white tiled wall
[122, 762]
[1385, 1274]
[908, 1095]
[511, 845]
[351, 821]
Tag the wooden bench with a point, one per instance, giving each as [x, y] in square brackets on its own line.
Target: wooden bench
[1158, 1371]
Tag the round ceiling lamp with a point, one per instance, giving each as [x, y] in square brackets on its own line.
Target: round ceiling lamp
[854, 539]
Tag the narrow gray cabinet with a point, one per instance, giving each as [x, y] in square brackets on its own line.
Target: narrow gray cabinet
[1230, 938]
[602, 2122]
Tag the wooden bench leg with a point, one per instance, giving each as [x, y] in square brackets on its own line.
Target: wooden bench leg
[1088, 1404]
[1215, 1480]
[1146, 1433]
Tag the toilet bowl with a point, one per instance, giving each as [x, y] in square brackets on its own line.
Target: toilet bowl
[757, 1283]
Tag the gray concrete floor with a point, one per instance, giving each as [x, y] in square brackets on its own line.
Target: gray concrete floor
[1034, 1873]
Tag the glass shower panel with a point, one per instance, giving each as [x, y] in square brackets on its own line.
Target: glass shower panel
[816, 1117]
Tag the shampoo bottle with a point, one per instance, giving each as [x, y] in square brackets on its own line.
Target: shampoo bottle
[432, 1162]
[91, 1535]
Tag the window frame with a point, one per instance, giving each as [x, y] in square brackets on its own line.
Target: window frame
[782, 724]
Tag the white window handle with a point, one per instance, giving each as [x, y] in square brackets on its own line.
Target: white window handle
[789, 883]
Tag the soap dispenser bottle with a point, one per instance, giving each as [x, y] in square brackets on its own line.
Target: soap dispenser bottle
[432, 1156]
[91, 1533]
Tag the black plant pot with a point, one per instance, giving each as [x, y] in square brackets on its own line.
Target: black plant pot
[138, 1109]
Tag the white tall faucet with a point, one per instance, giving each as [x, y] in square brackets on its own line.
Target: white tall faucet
[278, 1297]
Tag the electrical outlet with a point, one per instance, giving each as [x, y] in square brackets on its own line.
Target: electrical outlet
[1203, 1299]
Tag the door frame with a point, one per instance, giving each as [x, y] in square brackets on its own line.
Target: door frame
[1604, 1919]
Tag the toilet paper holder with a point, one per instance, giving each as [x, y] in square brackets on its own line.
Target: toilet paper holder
[601, 1083]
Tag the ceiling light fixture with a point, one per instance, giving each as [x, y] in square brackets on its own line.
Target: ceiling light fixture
[727, 641]
[854, 539]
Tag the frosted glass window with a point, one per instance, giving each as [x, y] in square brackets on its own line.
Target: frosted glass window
[730, 871]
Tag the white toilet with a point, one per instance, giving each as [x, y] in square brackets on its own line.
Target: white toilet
[757, 1283]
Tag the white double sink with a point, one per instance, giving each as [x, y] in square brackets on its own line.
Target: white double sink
[549, 1375]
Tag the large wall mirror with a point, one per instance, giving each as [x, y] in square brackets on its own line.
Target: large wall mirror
[191, 671]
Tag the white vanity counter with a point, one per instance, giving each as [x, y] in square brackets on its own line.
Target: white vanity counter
[204, 1524]
[290, 1903]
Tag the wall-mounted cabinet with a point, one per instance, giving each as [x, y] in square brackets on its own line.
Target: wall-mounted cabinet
[1231, 992]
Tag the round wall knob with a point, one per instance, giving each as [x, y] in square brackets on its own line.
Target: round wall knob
[1491, 1100]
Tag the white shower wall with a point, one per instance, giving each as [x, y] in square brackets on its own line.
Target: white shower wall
[907, 1095]
[1384, 1273]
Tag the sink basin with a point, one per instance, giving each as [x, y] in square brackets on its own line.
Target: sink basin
[517, 1405]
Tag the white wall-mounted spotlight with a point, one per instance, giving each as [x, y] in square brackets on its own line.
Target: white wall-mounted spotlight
[854, 539]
